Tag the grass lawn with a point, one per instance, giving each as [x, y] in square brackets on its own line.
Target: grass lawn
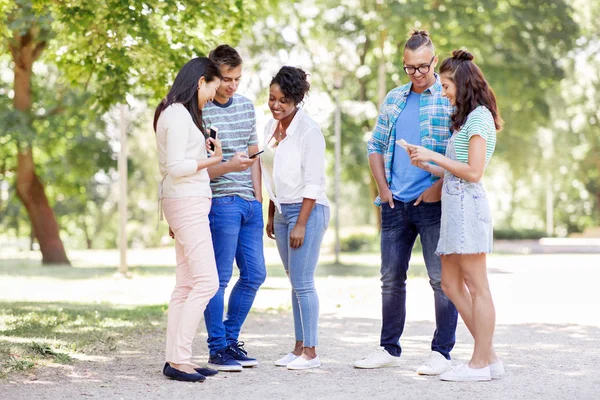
[41, 333]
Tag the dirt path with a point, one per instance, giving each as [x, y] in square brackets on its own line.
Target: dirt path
[548, 334]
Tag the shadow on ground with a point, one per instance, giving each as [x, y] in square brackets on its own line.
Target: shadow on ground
[543, 361]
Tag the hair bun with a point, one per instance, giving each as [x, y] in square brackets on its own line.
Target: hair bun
[416, 32]
[462, 55]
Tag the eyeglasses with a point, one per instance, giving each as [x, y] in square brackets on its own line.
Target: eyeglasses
[423, 69]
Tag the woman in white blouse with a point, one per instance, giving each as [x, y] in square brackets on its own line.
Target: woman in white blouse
[294, 173]
[186, 198]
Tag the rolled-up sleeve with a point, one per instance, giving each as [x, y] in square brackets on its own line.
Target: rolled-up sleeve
[379, 139]
[178, 133]
[313, 164]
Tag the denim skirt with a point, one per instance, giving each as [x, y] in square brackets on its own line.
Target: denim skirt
[466, 224]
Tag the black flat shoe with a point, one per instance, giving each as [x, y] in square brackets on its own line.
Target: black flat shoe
[200, 370]
[178, 375]
[206, 371]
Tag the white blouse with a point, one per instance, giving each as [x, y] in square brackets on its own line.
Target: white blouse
[180, 145]
[294, 168]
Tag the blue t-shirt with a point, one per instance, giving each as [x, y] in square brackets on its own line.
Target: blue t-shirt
[408, 181]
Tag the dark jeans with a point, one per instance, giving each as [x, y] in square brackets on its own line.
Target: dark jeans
[236, 226]
[399, 229]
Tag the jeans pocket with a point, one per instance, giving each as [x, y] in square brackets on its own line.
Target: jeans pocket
[482, 207]
[223, 200]
[326, 217]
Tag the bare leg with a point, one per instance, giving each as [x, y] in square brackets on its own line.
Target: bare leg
[454, 286]
[298, 348]
[309, 353]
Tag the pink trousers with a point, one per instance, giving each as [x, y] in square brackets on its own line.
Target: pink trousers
[196, 274]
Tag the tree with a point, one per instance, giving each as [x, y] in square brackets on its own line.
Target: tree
[106, 48]
[518, 45]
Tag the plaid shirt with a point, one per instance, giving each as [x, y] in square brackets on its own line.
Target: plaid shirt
[434, 116]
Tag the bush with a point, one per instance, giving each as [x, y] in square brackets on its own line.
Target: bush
[518, 234]
[359, 242]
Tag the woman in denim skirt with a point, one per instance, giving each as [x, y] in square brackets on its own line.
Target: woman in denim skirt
[293, 167]
[466, 227]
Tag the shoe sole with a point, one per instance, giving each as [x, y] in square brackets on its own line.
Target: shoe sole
[183, 380]
[467, 380]
[376, 366]
[226, 368]
[433, 373]
[248, 364]
[303, 368]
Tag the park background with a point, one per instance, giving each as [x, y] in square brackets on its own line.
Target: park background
[75, 75]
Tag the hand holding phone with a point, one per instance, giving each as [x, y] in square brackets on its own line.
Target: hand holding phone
[212, 132]
[256, 154]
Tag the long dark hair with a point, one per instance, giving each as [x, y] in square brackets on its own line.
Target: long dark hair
[185, 88]
[472, 90]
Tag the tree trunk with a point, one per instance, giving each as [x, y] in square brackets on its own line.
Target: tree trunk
[25, 50]
[381, 93]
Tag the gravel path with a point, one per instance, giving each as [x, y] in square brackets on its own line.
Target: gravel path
[548, 334]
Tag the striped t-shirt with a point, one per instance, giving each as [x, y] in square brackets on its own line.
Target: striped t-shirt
[479, 122]
[236, 122]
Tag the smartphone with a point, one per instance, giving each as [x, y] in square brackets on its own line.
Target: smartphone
[212, 132]
[256, 154]
[403, 143]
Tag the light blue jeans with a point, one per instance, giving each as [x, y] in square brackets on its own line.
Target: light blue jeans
[300, 265]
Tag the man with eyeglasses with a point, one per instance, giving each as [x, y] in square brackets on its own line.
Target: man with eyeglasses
[410, 203]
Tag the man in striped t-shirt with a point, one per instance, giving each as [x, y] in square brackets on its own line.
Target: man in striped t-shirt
[236, 219]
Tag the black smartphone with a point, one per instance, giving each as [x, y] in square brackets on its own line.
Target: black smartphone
[212, 132]
[256, 154]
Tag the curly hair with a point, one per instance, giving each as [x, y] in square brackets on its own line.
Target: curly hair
[293, 83]
[472, 90]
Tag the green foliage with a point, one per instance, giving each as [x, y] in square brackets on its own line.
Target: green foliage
[94, 54]
[520, 46]
[518, 234]
[360, 242]
[116, 47]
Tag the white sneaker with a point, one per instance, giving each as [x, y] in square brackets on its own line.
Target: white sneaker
[379, 359]
[436, 364]
[303, 363]
[497, 369]
[285, 360]
[464, 373]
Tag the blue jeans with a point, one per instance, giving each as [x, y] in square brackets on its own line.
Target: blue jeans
[399, 229]
[236, 226]
[300, 265]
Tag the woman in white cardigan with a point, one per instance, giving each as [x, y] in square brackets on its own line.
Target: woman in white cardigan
[186, 198]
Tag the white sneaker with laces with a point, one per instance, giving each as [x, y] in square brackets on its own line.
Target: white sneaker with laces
[497, 369]
[464, 373]
[285, 360]
[436, 364]
[303, 363]
[378, 359]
